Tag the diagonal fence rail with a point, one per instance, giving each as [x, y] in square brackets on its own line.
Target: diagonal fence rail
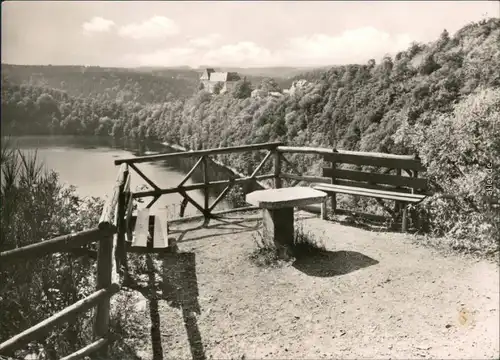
[203, 161]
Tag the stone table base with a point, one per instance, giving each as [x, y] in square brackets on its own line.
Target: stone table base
[278, 229]
[277, 212]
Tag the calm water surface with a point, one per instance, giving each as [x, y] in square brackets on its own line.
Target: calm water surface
[88, 163]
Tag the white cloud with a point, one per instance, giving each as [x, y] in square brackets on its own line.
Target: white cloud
[244, 52]
[352, 46]
[206, 41]
[97, 24]
[154, 28]
[178, 56]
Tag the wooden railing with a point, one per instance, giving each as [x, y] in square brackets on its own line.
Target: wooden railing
[274, 150]
[107, 282]
[204, 158]
[110, 233]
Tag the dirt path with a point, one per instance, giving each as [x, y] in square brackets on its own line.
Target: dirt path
[373, 295]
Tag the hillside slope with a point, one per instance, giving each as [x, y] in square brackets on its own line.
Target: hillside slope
[105, 83]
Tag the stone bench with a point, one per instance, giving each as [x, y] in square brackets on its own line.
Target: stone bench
[277, 211]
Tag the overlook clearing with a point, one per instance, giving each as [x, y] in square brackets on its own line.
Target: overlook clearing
[399, 267]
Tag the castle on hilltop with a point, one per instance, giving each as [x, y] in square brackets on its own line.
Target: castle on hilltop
[210, 78]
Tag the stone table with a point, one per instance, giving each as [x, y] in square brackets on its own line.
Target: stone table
[277, 211]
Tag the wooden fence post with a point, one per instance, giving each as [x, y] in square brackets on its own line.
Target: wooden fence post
[333, 196]
[277, 169]
[206, 181]
[120, 256]
[104, 270]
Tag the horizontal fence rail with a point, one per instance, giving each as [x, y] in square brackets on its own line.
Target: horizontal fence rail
[58, 244]
[215, 151]
[41, 329]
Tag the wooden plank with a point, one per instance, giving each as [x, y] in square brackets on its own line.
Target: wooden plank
[394, 163]
[87, 350]
[160, 234]
[395, 180]
[228, 150]
[43, 328]
[371, 193]
[58, 244]
[371, 186]
[324, 151]
[369, 190]
[141, 230]
[306, 178]
[342, 188]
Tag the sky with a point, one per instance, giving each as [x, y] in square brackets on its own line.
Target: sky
[224, 33]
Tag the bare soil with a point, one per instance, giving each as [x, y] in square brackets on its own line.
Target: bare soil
[370, 295]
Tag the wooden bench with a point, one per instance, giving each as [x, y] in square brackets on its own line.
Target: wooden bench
[379, 184]
[146, 232]
[277, 207]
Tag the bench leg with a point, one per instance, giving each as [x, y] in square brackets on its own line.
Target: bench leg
[278, 229]
[333, 198]
[324, 210]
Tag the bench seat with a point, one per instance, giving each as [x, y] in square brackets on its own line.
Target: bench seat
[147, 232]
[375, 193]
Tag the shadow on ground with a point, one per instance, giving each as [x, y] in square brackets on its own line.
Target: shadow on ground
[220, 227]
[333, 263]
[180, 289]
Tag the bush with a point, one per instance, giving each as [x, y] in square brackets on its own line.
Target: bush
[236, 197]
[461, 151]
[35, 207]
[304, 245]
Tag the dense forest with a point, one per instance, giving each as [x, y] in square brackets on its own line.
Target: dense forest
[141, 85]
[381, 107]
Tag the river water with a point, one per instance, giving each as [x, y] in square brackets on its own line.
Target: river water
[88, 164]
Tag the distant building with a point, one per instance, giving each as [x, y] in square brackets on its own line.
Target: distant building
[210, 78]
[275, 94]
[296, 85]
[258, 93]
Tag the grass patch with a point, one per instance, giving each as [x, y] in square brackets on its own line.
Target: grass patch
[304, 245]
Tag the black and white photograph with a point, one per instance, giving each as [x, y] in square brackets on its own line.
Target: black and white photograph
[249, 180]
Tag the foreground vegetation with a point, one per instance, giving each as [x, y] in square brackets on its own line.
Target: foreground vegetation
[439, 100]
[34, 208]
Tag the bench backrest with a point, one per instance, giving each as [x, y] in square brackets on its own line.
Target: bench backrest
[404, 169]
